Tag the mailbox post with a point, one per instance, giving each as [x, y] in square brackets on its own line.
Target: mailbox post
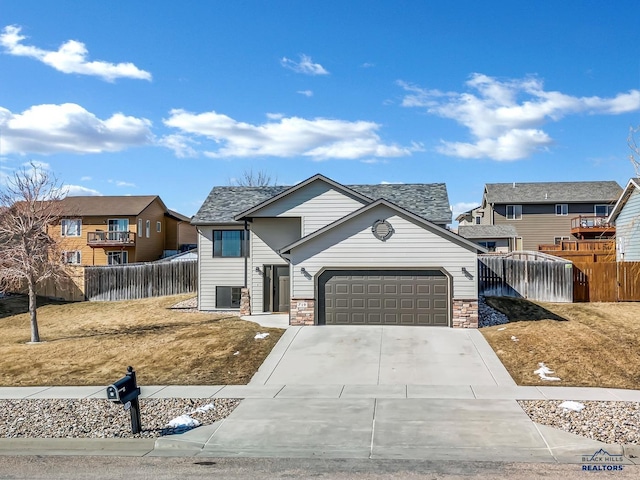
[126, 392]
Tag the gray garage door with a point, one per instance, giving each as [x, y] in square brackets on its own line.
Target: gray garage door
[383, 297]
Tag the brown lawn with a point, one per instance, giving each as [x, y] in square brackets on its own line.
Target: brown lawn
[585, 344]
[92, 343]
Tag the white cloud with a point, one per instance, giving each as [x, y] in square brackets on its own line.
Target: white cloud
[71, 57]
[368, 65]
[69, 128]
[121, 183]
[305, 65]
[384, 182]
[286, 137]
[79, 191]
[373, 161]
[306, 93]
[275, 116]
[85, 179]
[504, 116]
[180, 144]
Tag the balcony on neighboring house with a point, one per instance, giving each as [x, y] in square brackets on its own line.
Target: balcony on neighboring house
[111, 239]
[591, 227]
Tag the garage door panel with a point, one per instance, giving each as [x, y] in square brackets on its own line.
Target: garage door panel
[372, 298]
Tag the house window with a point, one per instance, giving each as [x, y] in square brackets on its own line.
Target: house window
[148, 228]
[562, 209]
[559, 240]
[602, 210]
[71, 227]
[140, 227]
[72, 257]
[478, 220]
[229, 243]
[490, 246]
[117, 258]
[228, 297]
[514, 212]
[158, 227]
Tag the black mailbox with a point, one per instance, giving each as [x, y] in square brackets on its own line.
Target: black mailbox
[126, 391]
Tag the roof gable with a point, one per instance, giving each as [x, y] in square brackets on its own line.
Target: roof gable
[552, 192]
[316, 178]
[400, 211]
[632, 184]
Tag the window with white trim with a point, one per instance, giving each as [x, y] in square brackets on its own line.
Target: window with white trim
[230, 243]
[514, 212]
[71, 227]
[602, 210]
[117, 257]
[72, 257]
[478, 220]
[559, 240]
[140, 228]
[562, 209]
[158, 227]
[148, 228]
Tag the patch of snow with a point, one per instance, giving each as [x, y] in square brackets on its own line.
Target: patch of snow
[204, 408]
[571, 405]
[260, 336]
[514, 338]
[544, 371]
[183, 421]
[237, 353]
[502, 328]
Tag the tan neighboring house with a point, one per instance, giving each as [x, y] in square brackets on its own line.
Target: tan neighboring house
[116, 230]
[547, 213]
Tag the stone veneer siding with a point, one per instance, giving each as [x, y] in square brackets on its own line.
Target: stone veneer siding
[301, 314]
[465, 313]
[245, 302]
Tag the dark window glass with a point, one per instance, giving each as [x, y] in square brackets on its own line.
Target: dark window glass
[228, 297]
[228, 243]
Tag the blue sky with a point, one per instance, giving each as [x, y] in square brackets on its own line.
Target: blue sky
[173, 98]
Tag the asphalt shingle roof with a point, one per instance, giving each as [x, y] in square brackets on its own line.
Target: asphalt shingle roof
[126, 206]
[553, 192]
[429, 201]
[487, 231]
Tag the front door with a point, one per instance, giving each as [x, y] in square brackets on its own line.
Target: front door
[276, 288]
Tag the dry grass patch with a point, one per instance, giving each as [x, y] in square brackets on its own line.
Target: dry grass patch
[92, 343]
[586, 344]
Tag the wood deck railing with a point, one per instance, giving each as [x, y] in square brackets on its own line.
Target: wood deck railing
[106, 239]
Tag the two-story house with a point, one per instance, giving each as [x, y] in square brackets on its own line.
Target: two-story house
[626, 217]
[329, 253]
[115, 230]
[544, 213]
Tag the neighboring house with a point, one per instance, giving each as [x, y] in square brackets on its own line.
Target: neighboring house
[335, 254]
[475, 216]
[495, 238]
[118, 230]
[626, 217]
[551, 212]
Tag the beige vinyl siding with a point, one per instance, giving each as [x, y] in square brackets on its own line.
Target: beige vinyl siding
[267, 236]
[539, 224]
[411, 246]
[628, 230]
[318, 204]
[213, 272]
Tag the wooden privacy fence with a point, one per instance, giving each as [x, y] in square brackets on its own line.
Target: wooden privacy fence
[543, 280]
[128, 282]
[606, 282]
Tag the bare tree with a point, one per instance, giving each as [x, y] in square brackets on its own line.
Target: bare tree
[634, 156]
[249, 178]
[29, 203]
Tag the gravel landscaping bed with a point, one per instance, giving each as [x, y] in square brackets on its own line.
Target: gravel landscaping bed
[98, 418]
[609, 422]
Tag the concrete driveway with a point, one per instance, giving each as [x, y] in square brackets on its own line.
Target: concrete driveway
[385, 355]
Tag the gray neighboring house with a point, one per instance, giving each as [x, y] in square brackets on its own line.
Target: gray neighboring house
[546, 213]
[626, 217]
[495, 238]
[337, 254]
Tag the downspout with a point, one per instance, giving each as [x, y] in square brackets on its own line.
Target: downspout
[246, 251]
